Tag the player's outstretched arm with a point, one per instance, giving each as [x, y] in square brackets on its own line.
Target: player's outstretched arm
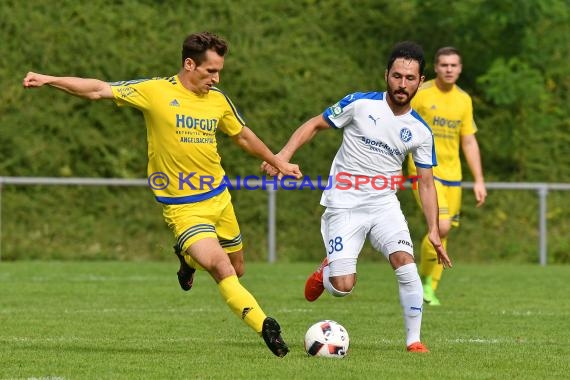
[93, 89]
[301, 136]
[248, 141]
[428, 199]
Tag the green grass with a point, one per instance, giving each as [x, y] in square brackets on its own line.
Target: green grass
[129, 320]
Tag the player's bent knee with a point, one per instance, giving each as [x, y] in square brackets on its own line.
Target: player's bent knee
[339, 288]
[341, 277]
[400, 258]
[221, 270]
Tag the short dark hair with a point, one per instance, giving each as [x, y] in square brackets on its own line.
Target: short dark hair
[196, 45]
[407, 50]
[446, 50]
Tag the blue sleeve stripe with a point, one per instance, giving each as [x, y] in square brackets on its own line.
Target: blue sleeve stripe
[433, 151]
[433, 159]
[326, 116]
[418, 117]
[360, 95]
[350, 98]
[423, 166]
[448, 183]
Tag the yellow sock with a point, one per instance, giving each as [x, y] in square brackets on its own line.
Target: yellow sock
[437, 269]
[436, 275]
[241, 302]
[428, 258]
[428, 262]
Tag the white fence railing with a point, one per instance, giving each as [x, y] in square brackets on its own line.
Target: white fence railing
[542, 190]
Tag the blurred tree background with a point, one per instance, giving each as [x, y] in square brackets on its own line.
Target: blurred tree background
[288, 61]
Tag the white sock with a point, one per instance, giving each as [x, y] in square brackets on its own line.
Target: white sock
[326, 281]
[411, 299]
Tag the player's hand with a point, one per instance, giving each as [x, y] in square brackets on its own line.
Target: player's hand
[288, 169]
[442, 257]
[269, 169]
[281, 167]
[34, 80]
[480, 193]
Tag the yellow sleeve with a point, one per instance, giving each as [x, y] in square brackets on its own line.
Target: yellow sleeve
[132, 93]
[231, 122]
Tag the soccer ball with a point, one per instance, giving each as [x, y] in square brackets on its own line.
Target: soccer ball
[328, 339]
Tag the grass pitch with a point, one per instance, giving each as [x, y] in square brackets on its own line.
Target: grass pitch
[130, 320]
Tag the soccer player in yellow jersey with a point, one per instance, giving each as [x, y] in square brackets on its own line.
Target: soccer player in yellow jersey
[182, 114]
[449, 112]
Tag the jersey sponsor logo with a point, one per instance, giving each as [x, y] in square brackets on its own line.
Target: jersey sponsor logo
[206, 125]
[197, 140]
[374, 119]
[381, 147]
[443, 122]
[335, 109]
[405, 135]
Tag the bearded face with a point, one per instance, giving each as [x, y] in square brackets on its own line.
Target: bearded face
[403, 81]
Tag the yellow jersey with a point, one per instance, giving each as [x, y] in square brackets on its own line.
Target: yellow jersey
[183, 161]
[450, 116]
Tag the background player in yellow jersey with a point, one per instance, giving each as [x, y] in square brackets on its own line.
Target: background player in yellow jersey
[449, 112]
[182, 114]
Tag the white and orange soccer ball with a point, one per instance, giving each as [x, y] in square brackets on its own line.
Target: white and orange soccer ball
[327, 339]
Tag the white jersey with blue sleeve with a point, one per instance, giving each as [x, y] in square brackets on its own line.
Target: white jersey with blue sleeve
[367, 168]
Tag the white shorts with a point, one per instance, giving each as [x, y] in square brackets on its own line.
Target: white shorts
[344, 232]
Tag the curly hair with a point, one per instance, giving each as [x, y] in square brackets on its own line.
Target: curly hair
[407, 50]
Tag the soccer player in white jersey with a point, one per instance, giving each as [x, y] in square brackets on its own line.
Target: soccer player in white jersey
[379, 130]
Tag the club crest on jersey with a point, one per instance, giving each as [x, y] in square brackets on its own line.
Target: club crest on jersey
[335, 109]
[405, 134]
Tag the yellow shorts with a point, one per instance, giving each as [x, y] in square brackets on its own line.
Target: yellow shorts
[213, 218]
[449, 201]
